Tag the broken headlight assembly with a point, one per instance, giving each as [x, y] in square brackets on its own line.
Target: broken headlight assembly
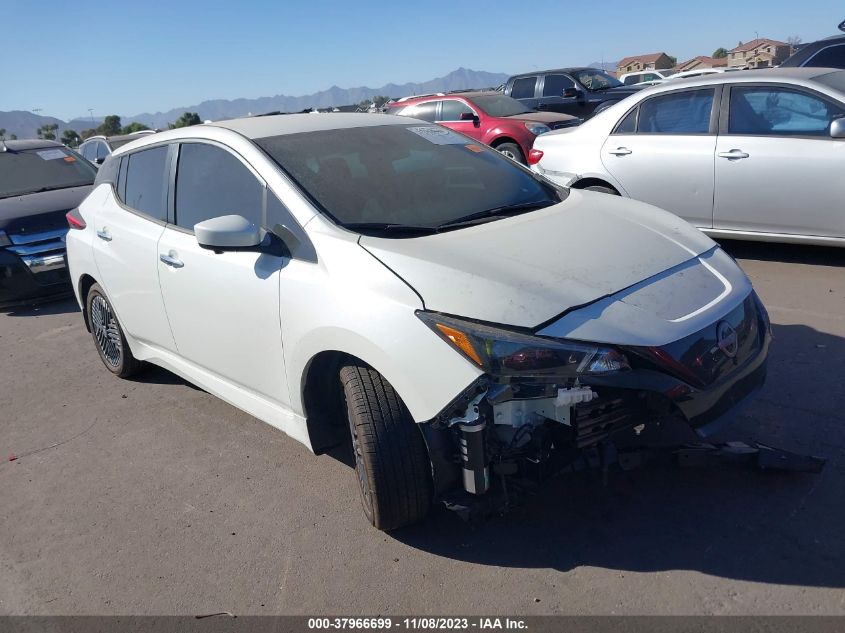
[502, 352]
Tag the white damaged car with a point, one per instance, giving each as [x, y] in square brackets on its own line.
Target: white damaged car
[460, 319]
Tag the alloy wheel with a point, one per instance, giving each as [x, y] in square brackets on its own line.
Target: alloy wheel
[106, 331]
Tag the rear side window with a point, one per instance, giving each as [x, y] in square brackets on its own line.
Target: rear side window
[830, 57]
[554, 85]
[211, 182]
[523, 88]
[677, 113]
[425, 111]
[780, 112]
[145, 189]
[628, 125]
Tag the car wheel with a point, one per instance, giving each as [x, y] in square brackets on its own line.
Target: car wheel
[391, 459]
[108, 335]
[512, 151]
[601, 189]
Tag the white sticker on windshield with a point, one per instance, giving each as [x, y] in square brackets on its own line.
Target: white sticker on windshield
[51, 154]
[439, 135]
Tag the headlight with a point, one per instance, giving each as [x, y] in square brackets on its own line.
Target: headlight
[537, 128]
[4, 239]
[501, 352]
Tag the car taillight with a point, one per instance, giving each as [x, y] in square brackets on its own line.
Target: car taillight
[534, 156]
[75, 220]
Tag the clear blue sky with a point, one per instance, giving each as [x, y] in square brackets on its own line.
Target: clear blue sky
[125, 57]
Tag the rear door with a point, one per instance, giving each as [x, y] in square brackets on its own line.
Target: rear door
[777, 168]
[661, 152]
[125, 250]
[524, 90]
[223, 307]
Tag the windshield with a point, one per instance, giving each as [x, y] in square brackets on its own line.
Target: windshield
[43, 169]
[500, 105]
[594, 79]
[421, 177]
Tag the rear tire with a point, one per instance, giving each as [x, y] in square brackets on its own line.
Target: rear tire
[391, 459]
[108, 335]
[512, 151]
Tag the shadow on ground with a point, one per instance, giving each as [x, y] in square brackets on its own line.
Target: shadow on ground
[736, 523]
[66, 305]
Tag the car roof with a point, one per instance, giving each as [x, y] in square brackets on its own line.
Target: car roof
[29, 143]
[571, 69]
[280, 124]
[467, 94]
[764, 74]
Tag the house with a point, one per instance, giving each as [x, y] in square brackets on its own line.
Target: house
[636, 63]
[701, 62]
[759, 53]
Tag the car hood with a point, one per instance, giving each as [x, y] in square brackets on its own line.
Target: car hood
[526, 270]
[37, 210]
[541, 117]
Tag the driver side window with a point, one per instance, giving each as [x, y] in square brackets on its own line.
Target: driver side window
[211, 182]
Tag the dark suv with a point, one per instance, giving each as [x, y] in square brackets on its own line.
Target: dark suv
[40, 181]
[826, 53]
[580, 92]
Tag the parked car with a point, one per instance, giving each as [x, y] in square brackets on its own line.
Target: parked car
[577, 91]
[753, 155]
[40, 181]
[96, 148]
[455, 308]
[826, 53]
[700, 72]
[489, 117]
[646, 77]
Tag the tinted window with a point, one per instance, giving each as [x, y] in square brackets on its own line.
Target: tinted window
[403, 175]
[523, 88]
[451, 110]
[632, 79]
[211, 182]
[102, 150]
[556, 84]
[46, 168]
[595, 79]
[499, 105]
[145, 178]
[89, 150]
[424, 111]
[628, 125]
[780, 111]
[830, 57]
[677, 113]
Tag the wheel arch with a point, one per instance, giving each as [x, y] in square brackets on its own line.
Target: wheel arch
[84, 285]
[592, 181]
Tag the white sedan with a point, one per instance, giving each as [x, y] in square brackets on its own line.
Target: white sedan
[390, 283]
[753, 155]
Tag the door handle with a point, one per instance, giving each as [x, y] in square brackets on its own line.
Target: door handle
[734, 153]
[171, 261]
[619, 151]
[104, 234]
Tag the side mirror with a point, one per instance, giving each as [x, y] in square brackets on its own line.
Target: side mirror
[469, 116]
[228, 233]
[99, 161]
[571, 93]
[837, 128]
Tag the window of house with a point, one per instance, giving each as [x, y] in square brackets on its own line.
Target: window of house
[145, 189]
[211, 182]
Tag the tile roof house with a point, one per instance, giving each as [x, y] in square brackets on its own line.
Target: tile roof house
[701, 62]
[636, 63]
[759, 53]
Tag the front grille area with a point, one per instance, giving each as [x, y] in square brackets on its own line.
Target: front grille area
[43, 252]
[594, 422]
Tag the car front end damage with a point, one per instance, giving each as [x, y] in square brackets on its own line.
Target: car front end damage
[544, 404]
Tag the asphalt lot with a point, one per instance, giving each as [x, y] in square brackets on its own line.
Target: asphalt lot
[161, 499]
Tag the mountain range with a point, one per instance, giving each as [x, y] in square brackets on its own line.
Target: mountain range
[24, 124]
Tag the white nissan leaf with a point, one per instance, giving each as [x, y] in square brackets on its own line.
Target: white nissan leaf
[464, 322]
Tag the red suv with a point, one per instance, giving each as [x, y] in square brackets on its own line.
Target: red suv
[490, 117]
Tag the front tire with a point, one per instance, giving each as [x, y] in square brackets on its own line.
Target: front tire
[512, 151]
[108, 335]
[391, 459]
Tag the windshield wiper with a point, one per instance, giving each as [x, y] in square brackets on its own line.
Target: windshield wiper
[389, 227]
[496, 213]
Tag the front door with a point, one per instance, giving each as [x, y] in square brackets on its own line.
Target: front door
[223, 307]
[661, 152]
[777, 167]
[560, 93]
[451, 111]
